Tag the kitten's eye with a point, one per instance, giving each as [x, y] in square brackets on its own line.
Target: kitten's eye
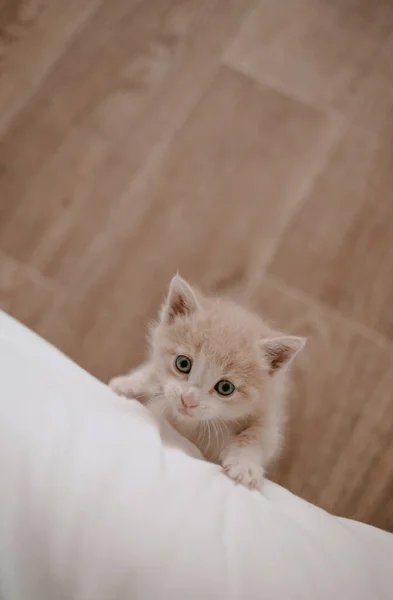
[224, 387]
[183, 364]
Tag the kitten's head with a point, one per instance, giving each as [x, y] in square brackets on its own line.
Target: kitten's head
[214, 359]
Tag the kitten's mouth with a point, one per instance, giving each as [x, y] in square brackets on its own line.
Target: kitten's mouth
[183, 410]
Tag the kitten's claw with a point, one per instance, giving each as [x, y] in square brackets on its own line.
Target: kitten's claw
[244, 472]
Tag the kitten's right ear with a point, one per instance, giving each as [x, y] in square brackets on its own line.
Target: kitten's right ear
[180, 302]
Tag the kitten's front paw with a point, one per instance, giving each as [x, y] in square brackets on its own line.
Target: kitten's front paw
[121, 386]
[245, 472]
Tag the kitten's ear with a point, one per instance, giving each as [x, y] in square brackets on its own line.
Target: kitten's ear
[279, 351]
[180, 302]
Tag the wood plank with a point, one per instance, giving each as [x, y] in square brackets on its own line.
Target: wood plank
[24, 293]
[217, 204]
[316, 50]
[34, 34]
[68, 94]
[338, 247]
[121, 93]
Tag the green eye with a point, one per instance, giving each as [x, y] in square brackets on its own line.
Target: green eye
[183, 364]
[224, 387]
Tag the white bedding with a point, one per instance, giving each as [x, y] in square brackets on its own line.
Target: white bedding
[98, 502]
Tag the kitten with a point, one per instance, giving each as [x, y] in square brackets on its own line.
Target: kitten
[218, 374]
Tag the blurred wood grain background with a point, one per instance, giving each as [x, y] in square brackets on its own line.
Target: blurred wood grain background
[247, 144]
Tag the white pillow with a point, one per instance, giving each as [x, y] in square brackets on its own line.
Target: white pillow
[100, 502]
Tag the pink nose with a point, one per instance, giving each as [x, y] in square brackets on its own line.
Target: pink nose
[188, 401]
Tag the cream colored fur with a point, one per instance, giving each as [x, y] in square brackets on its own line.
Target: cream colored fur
[222, 341]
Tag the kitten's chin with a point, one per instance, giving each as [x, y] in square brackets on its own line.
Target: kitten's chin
[186, 414]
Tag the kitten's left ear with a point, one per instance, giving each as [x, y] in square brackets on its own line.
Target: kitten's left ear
[180, 302]
[279, 351]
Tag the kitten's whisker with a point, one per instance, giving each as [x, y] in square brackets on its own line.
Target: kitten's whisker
[213, 430]
[217, 428]
[225, 428]
[202, 432]
[209, 435]
[214, 427]
[220, 429]
[224, 425]
[218, 432]
[201, 428]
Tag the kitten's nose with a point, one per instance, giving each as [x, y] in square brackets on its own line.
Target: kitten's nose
[189, 399]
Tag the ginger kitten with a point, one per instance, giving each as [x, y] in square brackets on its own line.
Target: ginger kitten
[218, 374]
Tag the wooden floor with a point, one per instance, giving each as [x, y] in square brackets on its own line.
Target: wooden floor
[247, 144]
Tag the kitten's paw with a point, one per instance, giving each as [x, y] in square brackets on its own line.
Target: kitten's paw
[245, 472]
[121, 386]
